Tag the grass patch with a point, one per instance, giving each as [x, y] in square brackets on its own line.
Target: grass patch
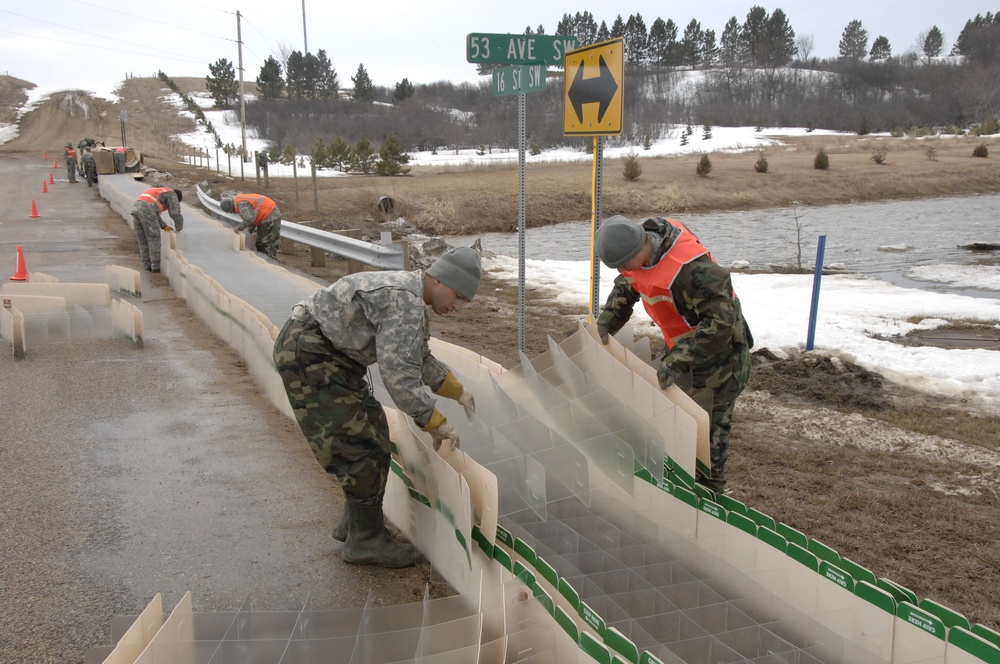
[981, 431]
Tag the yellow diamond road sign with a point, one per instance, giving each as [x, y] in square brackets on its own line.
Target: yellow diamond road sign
[595, 79]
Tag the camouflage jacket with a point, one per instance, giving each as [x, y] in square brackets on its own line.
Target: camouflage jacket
[380, 317]
[702, 294]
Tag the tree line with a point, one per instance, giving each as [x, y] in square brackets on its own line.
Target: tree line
[757, 72]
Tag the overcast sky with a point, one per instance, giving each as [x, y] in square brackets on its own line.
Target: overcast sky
[94, 44]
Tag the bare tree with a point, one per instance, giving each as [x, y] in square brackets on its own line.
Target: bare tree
[805, 44]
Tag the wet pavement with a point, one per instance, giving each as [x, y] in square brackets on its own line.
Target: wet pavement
[128, 472]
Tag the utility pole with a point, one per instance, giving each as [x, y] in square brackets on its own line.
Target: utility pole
[305, 40]
[243, 104]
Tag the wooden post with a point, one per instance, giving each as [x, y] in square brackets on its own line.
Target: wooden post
[317, 257]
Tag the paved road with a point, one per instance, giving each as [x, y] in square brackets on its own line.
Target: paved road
[128, 472]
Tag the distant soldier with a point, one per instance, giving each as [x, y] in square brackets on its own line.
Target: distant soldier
[147, 223]
[260, 212]
[119, 158]
[69, 154]
[89, 167]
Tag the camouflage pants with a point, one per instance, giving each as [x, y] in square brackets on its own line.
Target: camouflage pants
[343, 422]
[267, 234]
[726, 383]
[146, 224]
[71, 170]
[90, 171]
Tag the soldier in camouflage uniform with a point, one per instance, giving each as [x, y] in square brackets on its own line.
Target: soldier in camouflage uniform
[322, 354]
[70, 155]
[146, 222]
[89, 166]
[259, 212]
[690, 297]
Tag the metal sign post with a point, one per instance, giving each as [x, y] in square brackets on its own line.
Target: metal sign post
[529, 55]
[592, 106]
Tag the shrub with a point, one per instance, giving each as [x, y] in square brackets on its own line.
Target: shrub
[631, 169]
[535, 149]
[931, 154]
[879, 156]
[704, 166]
[822, 160]
[761, 165]
[706, 132]
[647, 142]
[981, 151]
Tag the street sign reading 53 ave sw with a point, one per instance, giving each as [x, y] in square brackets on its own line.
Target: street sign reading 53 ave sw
[507, 49]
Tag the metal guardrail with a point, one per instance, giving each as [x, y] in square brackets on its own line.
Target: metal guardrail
[387, 255]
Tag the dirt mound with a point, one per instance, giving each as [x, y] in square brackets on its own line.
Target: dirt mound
[66, 116]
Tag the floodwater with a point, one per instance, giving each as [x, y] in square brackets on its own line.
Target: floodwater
[882, 239]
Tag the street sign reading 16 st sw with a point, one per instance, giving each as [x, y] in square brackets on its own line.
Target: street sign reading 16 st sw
[507, 49]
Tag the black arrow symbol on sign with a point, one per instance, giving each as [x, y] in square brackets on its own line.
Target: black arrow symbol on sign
[600, 89]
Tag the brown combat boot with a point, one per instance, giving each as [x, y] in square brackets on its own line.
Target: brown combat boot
[369, 543]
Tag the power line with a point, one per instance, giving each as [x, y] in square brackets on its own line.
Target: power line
[103, 48]
[154, 20]
[93, 34]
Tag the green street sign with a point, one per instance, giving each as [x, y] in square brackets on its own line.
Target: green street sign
[517, 79]
[507, 49]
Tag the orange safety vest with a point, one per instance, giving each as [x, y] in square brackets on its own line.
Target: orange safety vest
[153, 196]
[263, 205]
[653, 283]
[70, 153]
[119, 149]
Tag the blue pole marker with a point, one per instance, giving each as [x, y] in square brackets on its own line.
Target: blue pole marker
[817, 276]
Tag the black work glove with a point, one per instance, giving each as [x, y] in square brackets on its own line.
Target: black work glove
[603, 331]
[667, 375]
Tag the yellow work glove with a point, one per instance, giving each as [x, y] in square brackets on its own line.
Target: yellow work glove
[440, 430]
[450, 388]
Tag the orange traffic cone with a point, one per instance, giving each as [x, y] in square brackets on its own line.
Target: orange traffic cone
[52, 180]
[20, 269]
[45, 154]
[45, 187]
[34, 210]
[54, 164]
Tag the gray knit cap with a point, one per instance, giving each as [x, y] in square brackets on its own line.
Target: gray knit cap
[226, 204]
[460, 269]
[619, 239]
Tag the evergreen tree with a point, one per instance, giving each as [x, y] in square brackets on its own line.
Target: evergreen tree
[656, 45]
[295, 73]
[391, 157]
[881, 50]
[691, 43]
[753, 36]
[618, 28]
[979, 40]
[364, 91]
[635, 37]
[603, 34]
[403, 91]
[222, 84]
[338, 154]
[730, 45]
[325, 82]
[779, 43]
[933, 43]
[672, 52]
[319, 154]
[709, 49]
[854, 41]
[363, 156]
[269, 81]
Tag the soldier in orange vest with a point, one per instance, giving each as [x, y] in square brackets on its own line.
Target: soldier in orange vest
[146, 222]
[70, 155]
[259, 212]
[691, 299]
